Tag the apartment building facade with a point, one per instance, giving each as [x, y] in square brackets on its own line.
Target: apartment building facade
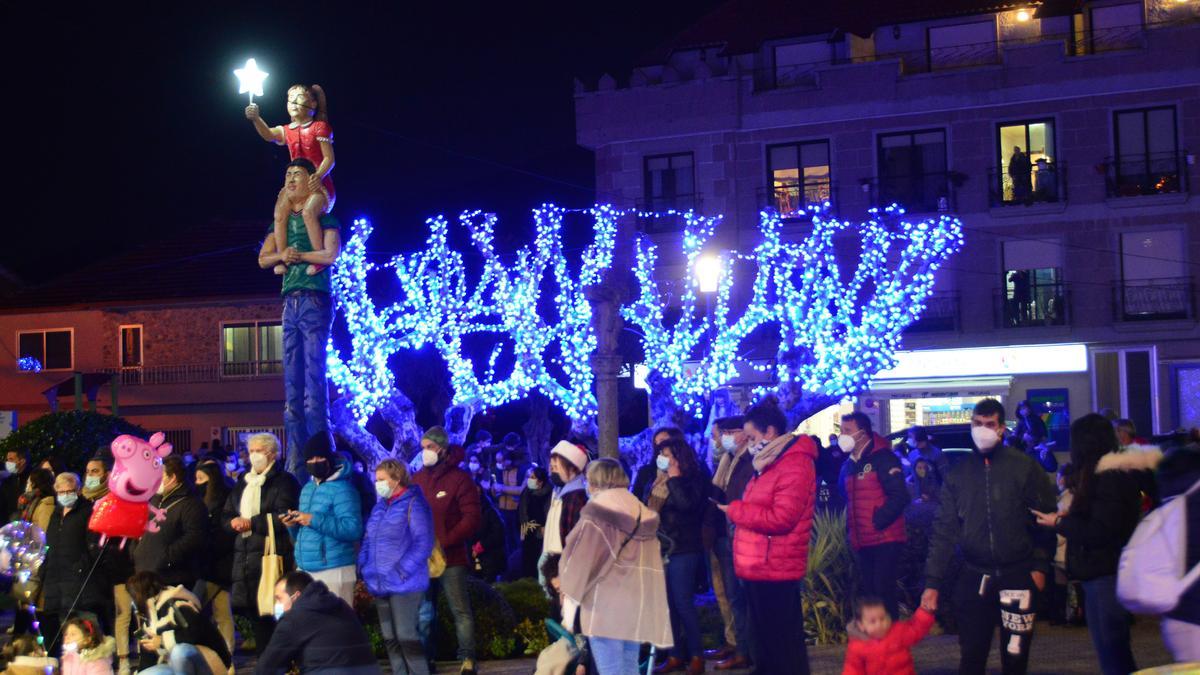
[1061, 133]
[183, 337]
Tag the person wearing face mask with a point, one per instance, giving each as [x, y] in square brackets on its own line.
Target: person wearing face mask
[649, 472]
[216, 576]
[533, 509]
[265, 491]
[985, 513]
[177, 550]
[318, 633]
[17, 466]
[505, 486]
[922, 447]
[454, 500]
[115, 562]
[328, 525]
[772, 528]
[69, 559]
[872, 482]
[733, 473]
[567, 463]
[393, 563]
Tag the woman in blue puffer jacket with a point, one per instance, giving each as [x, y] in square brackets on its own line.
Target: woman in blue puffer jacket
[394, 563]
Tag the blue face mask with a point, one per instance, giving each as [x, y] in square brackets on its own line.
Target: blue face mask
[91, 482]
[67, 500]
[278, 611]
[663, 462]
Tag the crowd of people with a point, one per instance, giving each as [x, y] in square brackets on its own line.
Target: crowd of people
[621, 551]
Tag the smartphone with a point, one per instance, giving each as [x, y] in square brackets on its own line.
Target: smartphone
[715, 500]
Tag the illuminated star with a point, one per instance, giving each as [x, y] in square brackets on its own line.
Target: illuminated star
[250, 79]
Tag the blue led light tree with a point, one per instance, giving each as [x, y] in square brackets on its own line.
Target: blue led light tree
[833, 333]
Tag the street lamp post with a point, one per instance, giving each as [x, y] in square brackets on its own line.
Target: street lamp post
[708, 276]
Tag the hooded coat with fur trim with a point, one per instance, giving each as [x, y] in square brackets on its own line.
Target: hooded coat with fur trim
[1097, 531]
[94, 661]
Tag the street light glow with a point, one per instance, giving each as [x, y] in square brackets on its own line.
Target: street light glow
[708, 272]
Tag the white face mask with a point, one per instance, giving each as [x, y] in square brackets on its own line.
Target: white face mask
[758, 447]
[532, 483]
[985, 439]
[383, 489]
[162, 488]
[278, 611]
[846, 443]
[70, 646]
[10, 467]
[429, 457]
[729, 442]
[91, 482]
[663, 463]
[258, 461]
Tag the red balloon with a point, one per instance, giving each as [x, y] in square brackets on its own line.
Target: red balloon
[116, 517]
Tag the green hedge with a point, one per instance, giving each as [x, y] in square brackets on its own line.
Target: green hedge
[72, 437]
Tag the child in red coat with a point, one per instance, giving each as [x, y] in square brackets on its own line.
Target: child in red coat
[880, 647]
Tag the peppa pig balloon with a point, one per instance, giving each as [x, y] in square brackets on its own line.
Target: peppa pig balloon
[136, 475]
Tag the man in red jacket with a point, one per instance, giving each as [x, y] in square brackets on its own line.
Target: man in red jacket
[454, 501]
[772, 525]
[873, 482]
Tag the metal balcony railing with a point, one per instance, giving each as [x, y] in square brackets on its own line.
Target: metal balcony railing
[1154, 299]
[941, 314]
[1145, 174]
[916, 193]
[667, 212]
[195, 373]
[1045, 185]
[791, 198]
[1041, 305]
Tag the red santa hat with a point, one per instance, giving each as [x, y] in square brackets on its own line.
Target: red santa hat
[574, 454]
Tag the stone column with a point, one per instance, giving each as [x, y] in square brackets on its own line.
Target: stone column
[606, 364]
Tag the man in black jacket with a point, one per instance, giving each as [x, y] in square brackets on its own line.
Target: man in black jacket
[317, 630]
[985, 511]
[176, 552]
[16, 463]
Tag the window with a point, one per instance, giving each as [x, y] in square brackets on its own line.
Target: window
[53, 349]
[799, 175]
[1126, 381]
[131, 346]
[912, 170]
[670, 182]
[1147, 160]
[1034, 294]
[965, 44]
[795, 63]
[1028, 169]
[1154, 281]
[253, 348]
[1115, 27]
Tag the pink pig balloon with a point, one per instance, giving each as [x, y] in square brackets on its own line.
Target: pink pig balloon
[136, 475]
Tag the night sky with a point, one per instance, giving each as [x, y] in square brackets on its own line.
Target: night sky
[124, 123]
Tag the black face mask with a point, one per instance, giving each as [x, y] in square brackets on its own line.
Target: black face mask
[557, 480]
[319, 470]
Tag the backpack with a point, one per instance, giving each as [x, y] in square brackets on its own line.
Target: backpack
[1153, 573]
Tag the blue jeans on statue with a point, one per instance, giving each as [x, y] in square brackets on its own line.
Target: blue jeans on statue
[307, 316]
[183, 660]
[614, 657]
[1108, 624]
[453, 583]
[681, 590]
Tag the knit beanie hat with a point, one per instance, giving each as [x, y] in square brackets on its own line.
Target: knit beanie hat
[438, 436]
[319, 445]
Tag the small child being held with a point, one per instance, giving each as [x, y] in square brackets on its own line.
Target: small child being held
[880, 647]
[85, 650]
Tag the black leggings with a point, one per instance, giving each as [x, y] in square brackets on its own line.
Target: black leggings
[778, 625]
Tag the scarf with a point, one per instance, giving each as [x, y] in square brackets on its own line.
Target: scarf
[725, 467]
[95, 494]
[767, 456]
[658, 492]
[251, 503]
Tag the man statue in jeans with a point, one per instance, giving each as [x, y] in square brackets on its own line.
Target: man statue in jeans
[307, 315]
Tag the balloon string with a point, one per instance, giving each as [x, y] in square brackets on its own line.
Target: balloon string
[62, 624]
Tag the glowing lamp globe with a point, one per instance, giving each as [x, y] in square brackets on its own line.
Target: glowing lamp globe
[708, 272]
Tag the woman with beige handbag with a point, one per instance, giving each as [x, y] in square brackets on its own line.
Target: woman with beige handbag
[262, 547]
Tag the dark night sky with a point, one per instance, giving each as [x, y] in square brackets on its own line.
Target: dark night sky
[124, 123]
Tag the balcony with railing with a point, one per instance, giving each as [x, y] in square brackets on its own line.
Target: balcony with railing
[1146, 174]
[665, 214]
[916, 193]
[1040, 305]
[1047, 184]
[792, 198]
[1154, 300]
[196, 373]
[941, 314]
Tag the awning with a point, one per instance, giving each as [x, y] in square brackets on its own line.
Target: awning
[952, 386]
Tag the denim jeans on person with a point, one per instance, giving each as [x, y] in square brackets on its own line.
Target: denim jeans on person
[681, 590]
[307, 316]
[183, 660]
[1108, 624]
[453, 583]
[398, 624]
[614, 657]
[735, 591]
